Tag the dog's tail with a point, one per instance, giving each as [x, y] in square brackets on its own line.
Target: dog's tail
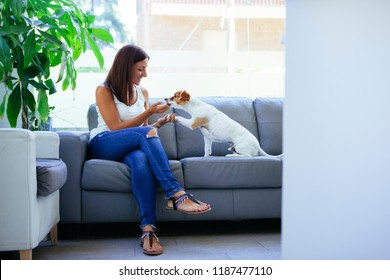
[244, 151]
[261, 152]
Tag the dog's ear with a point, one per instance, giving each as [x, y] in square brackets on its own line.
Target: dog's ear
[176, 94]
[185, 96]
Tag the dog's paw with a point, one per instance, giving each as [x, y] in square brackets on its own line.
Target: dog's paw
[179, 119]
[234, 155]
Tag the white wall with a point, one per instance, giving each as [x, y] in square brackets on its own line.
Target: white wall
[336, 192]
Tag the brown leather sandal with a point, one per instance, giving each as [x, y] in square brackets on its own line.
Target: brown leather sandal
[178, 200]
[150, 234]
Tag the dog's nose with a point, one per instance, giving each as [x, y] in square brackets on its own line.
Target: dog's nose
[167, 100]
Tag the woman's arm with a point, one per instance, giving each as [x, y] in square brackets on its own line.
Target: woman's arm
[161, 121]
[110, 114]
[146, 104]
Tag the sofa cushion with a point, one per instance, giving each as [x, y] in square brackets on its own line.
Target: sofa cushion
[269, 115]
[232, 172]
[51, 175]
[190, 142]
[113, 176]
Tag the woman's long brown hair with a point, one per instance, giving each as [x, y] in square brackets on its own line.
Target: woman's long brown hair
[120, 75]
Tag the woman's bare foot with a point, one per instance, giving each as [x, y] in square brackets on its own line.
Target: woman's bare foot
[187, 204]
[156, 248]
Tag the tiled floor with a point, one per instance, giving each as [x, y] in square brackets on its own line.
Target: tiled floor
[238, 240]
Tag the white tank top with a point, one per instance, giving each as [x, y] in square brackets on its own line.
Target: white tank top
[125, 112]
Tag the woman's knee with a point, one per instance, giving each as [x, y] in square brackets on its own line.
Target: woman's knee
[137, 159]
[152, 132]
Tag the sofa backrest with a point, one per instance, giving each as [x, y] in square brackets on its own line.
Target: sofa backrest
[190, 142]
[269, 116]
[92, 117]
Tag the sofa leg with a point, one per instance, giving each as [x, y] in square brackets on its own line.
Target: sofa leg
[25, 254]
[53, 235]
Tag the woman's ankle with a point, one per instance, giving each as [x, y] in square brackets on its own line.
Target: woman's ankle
[178, 193]
[148, 228]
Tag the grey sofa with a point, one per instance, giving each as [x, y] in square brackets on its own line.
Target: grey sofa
[238, 188]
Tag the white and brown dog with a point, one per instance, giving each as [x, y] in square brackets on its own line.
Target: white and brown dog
[215, 126]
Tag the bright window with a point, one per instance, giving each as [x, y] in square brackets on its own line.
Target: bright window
[208, 47]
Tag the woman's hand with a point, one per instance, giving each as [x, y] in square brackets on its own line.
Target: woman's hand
[158, 107]
[166, 119]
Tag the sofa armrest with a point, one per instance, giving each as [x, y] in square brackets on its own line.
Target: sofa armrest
[73, 151]
[17, 165]
[47, 144]
[18, 184]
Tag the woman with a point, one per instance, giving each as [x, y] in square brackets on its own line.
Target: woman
[123, 134]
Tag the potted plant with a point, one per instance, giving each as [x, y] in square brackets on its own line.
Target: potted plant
[35, 36]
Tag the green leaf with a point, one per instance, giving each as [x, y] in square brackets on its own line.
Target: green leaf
[62, 69]
[35, 70]
[74, 79]
[9, 80]
[50, 38]
[38, 85]
[65, 83]
[18, 7]
[44, 63]
[96, 51]
[77, 51]
[102, 34]
[83, 41]
[5, 55]
[57, 59]
[2, 106]
[29, 48]
[30, 100]
[68, 77]
[90, 18]
[60, 12]
[14, 106]
[67, 19]
[64, 47]
[29, 22]
[65, 34]
[50, 84]
[41, 24]
[22, 74]
[14, 29]
[75, 24]
[43, 105]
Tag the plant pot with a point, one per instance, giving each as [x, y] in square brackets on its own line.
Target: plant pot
[46, 126]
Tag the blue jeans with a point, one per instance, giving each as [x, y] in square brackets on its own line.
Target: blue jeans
[147, 160]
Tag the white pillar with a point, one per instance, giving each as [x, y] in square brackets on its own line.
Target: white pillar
[231, 26]
[336, 189]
